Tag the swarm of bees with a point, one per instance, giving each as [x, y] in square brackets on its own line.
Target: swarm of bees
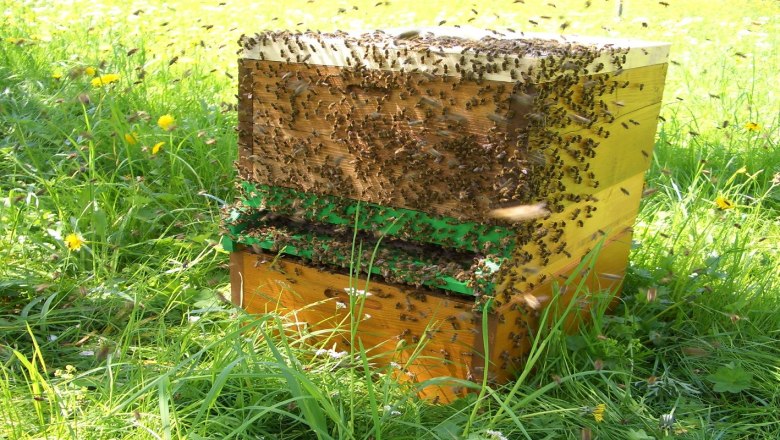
[477, 129]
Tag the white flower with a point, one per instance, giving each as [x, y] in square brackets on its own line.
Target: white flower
[337, 354]
[495, 435]
[330, 352]
[389, 409]
[666, 421]
[357, 292]
[87, 353]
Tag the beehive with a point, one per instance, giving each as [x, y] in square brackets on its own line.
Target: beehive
[409, 142]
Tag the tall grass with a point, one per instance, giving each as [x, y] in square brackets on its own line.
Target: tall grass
[130, 336]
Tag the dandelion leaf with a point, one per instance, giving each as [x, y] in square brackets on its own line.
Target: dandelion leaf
[730, 378]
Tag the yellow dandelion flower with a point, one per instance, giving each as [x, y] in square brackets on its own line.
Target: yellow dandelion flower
[724, 203]
[157, 147]
[57, 75]
[106, 79]
[131, 138]
[598, 412]
[74, 241]
[90, 71]
[753, 126]
[166, 122]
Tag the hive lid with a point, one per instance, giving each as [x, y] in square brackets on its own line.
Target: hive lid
[431, 49]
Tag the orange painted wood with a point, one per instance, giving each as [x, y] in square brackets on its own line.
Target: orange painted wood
[427, 333]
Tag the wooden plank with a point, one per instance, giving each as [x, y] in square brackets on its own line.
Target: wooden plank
[625, 153]
[391, 163]
[519, 319]
[246, 80]
[321, 93]
[429, 335]
[434, 48]
[561, 239]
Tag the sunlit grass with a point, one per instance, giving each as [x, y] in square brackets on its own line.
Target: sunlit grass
[128, 336]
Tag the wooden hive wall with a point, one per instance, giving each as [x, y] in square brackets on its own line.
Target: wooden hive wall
[428, 334]
[568, 125]
[571, 126]
[457, 142]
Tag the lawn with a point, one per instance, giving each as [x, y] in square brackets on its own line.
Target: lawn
[117, 137]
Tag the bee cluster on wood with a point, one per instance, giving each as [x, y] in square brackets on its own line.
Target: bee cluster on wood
[456, 128]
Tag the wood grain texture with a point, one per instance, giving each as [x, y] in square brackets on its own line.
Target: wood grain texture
[402, 130]
[378, 50]
[429, 334]
[598, 284]
[565, 237]
[437, 149]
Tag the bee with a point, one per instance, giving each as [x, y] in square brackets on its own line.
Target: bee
[580, 119]
[649, 191]
[497, 118]
[408, 35]
[521, 212]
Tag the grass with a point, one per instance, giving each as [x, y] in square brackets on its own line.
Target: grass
[129, 338]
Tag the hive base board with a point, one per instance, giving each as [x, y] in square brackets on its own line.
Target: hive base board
[428, 333]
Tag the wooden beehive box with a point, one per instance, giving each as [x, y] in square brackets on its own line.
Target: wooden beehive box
[419, 137]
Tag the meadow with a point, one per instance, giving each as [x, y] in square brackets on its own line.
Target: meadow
[117, 143]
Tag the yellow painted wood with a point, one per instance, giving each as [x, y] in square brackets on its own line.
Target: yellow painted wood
[616, 210]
